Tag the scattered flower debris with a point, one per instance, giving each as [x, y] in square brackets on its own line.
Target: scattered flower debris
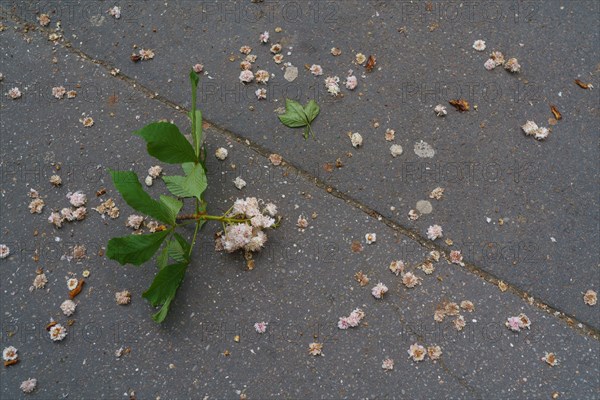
[302, 222]
[264, 37]
[57, 332]
[275, 159]
[246, 50]
[356, 139]
[221, 153]
[502, 286]
[451, 309]
[44, 19]
[460, 104]
[79, 251]
[332, 85]
[250, 238]
[467, 305]
[146, 54]
[14, 93]
[278, 58]
[123, 298]
[459, 323]
[517, 323]
[149, 181]
[396, 150]
[316, 70]
[251, 58]
[434, 352]
[291, 73]
[261, 93]
[261, 327]
[413, 215]
[262, 76]
[198, 68]
[479, 45]
[498, 57]
[351, 81]
[390, 135]
[55, 219]
[77, 199]
[315, 349]
[246, 76]
[85, 273]
[423, 149]
[74, 292]
[456, 257]
[417, 352]
[39, 281]
[579, 83]
[36, 206]
[590, 298]
[155, 171]
[109, 208]
[427, 267]
[388, 364]
[490, 64]
[115, 12]
[239, 183]
[351, 321]
[512, 65]
[434, 232]
[356, 246]
[437, 193]
[276, 48]
[379, 290]
[410, 280]
[371, 238]
[550, 359]
[68, 307]
[59, 92]
[55, 180]
[397, 267]
[361, 278]
[440, 110]
[335, 51]
[531, 129]
[439, 315]
[87, 121]
[271, 209]
[29, 385]
[72, 283]
[10, 356]
[134, 221]
[360, 58]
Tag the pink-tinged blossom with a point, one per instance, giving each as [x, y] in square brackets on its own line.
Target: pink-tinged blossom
[262, 221]
[77, 199]
[261, 93]
[68, 307]
[388, 364]
[262, 76]
[264, 37]
[514, 324]
[236, 237]
[55, 219]
[456, 257]
[479, 45]
[198, 68]
[434, 232]
[315, 349]
[379, 290]
[29, 385]
[351, 82]
[80, 213]
[115, 12]
[490, 64]
[316, 70]
[343, 323]
[14, 93]
[256, 242]
[59, 92]
[246, 76]
[332, 85]
[67, 214]
[261, 327]
[410, 280]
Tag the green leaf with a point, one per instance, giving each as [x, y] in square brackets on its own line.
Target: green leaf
[129, 186]
[197, 130]
[294, 116]
[179, 249]
[172, 205]
[162, 259]
[192, 185]
[164, 287]
[165, 142]
[135, 249]
[311, 109]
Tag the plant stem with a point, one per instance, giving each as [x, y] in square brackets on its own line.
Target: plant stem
[204, 217]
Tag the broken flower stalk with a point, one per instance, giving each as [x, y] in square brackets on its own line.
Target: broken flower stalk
[243, 224]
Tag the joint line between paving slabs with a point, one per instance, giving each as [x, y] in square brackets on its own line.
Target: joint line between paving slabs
[570, 320]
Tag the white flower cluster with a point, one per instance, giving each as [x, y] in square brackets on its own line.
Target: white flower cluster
[531, 129]
[332, 85]
[77, 199]
[248, 236]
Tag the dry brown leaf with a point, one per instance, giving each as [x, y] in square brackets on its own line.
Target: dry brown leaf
[583, 85]
[11, 362]
[73, 293]
[555, 111]
[460, 104]
[356, 246]
[371, 63]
